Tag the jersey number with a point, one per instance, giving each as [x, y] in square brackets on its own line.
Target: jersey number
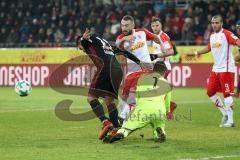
[155, 81]
[106, 46]
[227, 89]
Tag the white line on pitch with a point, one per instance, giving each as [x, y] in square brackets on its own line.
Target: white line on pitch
[51, 109]
[25, 110]
[34, 110]
[209, 158]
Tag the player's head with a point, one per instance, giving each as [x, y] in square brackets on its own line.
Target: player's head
[217, 23]
[127, 25]
[79, 44]
[156, 25]
[160, 67]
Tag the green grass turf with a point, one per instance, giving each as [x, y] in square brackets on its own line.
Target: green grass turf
[29, 130]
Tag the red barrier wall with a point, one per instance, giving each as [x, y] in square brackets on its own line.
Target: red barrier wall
[184, 75]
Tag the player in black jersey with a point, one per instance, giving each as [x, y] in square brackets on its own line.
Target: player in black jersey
[107, 80]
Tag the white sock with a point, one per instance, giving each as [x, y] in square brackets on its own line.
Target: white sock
[124, 131]
[219, 104]
[131, 98]
[229, 104]
[127, 107]
[125, 110]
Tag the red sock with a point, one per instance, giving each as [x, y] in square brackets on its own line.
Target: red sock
[173, 106]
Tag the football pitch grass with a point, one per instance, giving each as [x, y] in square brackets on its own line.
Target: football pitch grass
[30, 130]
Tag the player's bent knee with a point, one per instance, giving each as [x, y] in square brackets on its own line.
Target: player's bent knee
[91, 98]
[124, 97]
[210, 93]
[225, 95]
[109, 100]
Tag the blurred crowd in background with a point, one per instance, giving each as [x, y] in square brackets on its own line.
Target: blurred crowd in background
[55, 23]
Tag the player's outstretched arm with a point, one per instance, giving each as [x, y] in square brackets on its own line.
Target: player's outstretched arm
[165, 53]
[144, 66]
[200, 52]
[127, 55]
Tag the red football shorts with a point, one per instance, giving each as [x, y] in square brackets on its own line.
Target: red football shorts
[167, 73]
[130, 82]
[221, 82]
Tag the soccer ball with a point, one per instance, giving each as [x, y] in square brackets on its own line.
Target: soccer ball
[23, 88]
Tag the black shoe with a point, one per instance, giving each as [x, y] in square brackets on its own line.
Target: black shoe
[116, 137]
[107, 138]
[161, 136]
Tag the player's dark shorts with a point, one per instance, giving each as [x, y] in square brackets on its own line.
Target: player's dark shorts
[107, 82]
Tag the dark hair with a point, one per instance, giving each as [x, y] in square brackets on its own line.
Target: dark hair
[155, 19]
[218, 16]
[128, 18]
[159, 67]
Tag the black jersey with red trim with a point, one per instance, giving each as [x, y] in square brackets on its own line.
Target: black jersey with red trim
[101, 52]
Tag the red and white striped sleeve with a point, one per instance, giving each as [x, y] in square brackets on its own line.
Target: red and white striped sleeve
[149, 35]
[232, 39]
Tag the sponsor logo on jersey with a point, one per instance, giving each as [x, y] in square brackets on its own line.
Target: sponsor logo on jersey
[216, 45]
[136, 46]
[155, 46]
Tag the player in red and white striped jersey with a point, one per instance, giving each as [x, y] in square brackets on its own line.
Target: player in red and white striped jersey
[221, 78]
[134, 41]
[163, 54]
